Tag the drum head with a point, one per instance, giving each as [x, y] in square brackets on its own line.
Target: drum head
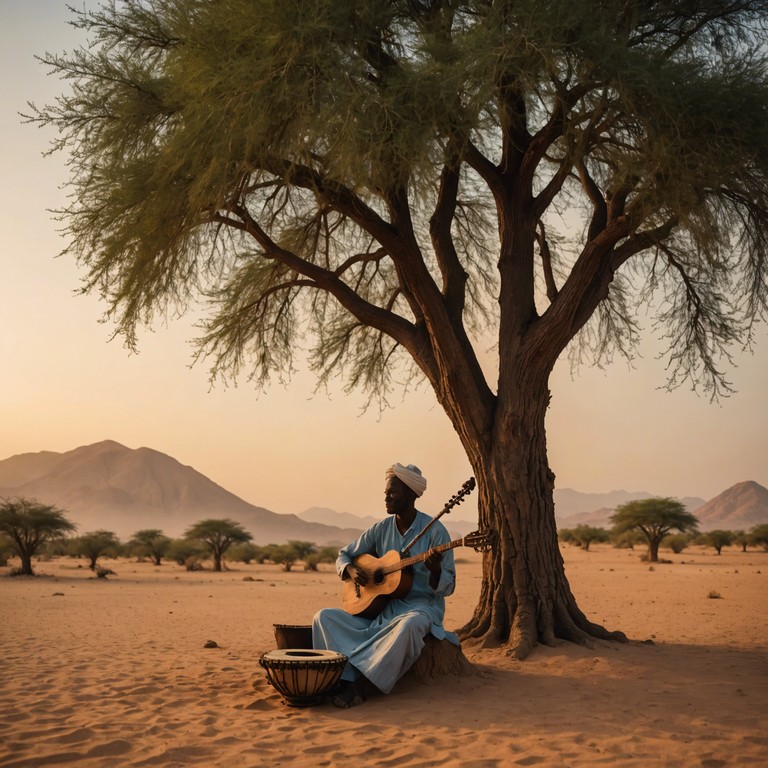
[301, 655]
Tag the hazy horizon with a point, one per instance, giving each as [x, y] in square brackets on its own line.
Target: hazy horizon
[65, 384]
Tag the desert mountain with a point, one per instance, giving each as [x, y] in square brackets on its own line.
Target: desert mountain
[740, 507]
[108, 486]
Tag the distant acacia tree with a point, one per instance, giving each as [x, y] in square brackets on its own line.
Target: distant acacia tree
[677, 542]
[218, 536]
[717, 539]
[654, 518]
[29, 524]
[94, 544]
[584, 535]
[303, 549]
[245, 552]
[182, 551]
[151, 542]
[6, 550]
[758, 536]
[322, 555]
[384, 185]
[741, 538]
[626, 539]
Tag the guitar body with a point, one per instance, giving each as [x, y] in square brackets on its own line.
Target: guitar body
[383, 585]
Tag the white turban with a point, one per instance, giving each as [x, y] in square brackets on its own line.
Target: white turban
[410, 475]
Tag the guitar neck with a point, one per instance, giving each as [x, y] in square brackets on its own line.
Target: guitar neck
[405, 562]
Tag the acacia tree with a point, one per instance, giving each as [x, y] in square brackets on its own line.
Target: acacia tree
[718, 539]
[383, 182]
[29, 524]
[654, 518]
[584, 535]
[758, 536]
[94, 544]
[218, 536]
[152, 542]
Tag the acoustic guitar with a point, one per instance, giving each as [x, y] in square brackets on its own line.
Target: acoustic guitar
[388, 578]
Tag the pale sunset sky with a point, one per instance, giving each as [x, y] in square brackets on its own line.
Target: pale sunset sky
[65, 384]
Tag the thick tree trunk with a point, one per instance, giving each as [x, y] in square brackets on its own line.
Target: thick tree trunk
[525, 597]
[26, 563]
[439, 657]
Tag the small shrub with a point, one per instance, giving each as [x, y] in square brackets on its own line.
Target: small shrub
[713, 595]
[102, 573]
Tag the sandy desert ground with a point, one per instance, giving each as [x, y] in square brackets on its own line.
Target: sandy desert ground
[115, 673]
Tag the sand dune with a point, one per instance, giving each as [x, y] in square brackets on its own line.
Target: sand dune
[114, 672]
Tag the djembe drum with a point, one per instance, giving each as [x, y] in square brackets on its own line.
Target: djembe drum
[303, 676]
[293, 635]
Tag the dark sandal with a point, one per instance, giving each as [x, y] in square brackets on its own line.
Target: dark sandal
[348, 697]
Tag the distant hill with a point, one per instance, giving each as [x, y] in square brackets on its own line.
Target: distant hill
[457, 528]
[575, 508]
[740, 507]
[328, 516]
[108, 486]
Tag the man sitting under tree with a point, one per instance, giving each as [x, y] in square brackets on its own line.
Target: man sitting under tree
[381, 649]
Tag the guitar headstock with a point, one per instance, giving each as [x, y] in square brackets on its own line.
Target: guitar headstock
[480, 541]
[458, 497]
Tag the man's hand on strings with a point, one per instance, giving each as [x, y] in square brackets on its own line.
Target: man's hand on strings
[358, 575]
[433, 563]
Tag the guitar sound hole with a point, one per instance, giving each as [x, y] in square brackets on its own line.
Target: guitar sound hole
[378, 577]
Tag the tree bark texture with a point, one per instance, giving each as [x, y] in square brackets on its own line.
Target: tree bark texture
[525, 596]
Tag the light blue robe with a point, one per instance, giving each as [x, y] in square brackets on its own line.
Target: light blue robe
[384, 648]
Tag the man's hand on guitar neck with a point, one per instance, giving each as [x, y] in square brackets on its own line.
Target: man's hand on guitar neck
[433, 563]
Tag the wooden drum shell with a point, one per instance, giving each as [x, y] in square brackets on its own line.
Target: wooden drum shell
[293, 635]
[303, 676]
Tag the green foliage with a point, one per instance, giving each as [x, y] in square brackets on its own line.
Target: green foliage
[29, 524]
[677, 542]
[626, 539]
[95, 544]
[6, 550]
[245, 552]
[326, 555]
[336, 173]
[302, 548]
[758, 536]
[717, 539]
[150, 542]
[586, 534]
[654, 518]
[218, 535]
[741, 539]
[181, 550]
[283, 554]
[583, 535]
